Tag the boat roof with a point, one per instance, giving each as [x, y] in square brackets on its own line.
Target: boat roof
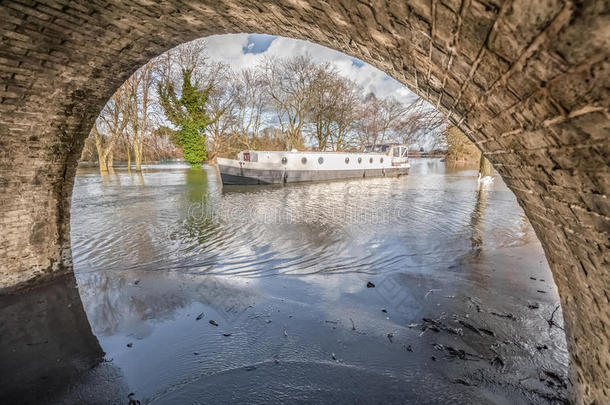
[387, 145]
[310, 151]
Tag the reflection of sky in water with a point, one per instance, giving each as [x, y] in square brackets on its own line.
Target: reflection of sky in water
[180, 220]
[153, 251]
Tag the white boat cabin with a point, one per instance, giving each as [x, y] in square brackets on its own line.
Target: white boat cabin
[265, 167]
[373, 157]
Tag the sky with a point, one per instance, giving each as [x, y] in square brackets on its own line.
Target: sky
[246, 50]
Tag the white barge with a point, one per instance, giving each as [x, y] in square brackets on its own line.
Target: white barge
[276, 167]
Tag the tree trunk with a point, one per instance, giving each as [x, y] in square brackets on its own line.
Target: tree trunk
[101, 153]
[103, 165]
[137, 151]
[128, 157]
[110, 161]
[484, 167]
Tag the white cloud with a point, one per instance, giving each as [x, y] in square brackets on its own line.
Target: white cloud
[229, 49]
[241, 51]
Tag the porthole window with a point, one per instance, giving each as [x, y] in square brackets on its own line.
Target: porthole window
[320, 160]
[304, 160]
[371, 160]
[359, 160]
[381, 160]
[284, 160]
[346, 160]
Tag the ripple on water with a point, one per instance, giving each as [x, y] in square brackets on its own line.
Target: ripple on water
[153, 251]
[186, 222]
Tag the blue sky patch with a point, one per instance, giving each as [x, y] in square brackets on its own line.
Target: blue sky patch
[357, 62]
[258, 43]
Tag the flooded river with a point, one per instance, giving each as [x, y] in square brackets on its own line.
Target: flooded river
[199, 294]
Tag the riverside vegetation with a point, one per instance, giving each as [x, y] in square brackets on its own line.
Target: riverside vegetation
[183, 104]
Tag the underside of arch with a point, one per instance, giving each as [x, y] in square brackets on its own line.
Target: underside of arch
[527, 81]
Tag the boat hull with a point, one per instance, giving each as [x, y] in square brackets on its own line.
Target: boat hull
[251, 176]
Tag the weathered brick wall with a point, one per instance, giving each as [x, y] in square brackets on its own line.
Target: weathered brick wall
[527, 80]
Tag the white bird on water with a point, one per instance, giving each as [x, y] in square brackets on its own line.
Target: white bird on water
[486, 180]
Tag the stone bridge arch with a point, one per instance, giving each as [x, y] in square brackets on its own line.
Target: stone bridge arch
[526, 80]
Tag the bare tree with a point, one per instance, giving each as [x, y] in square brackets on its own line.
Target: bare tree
[288, 84]
[273, 105]
[333, 108]
[190, 56]
[392, 111]
[127, 146]
[369, 125]
[222, 106]
[324, 96]
[109, 126]
[345, 113]
[139, 88]
[389, 120]
[249, 98]
[419, 121]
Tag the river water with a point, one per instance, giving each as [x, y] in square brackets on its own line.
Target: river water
[199, 294]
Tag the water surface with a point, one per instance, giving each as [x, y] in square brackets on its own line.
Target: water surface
[283, 272]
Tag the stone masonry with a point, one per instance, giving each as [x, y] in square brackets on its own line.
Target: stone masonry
[527, 80]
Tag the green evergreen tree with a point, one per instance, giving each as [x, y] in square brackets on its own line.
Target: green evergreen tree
[189, 114]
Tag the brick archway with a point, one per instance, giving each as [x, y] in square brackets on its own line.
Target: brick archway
[528, 81]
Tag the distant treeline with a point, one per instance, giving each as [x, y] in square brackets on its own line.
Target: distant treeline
[459, 149]
[183, 103]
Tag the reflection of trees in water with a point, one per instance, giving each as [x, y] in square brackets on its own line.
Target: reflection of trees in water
[94, 289]
[140, 178]
[196, 180]
[199, 226]
[453, 168]
[308, 215]
[106, 179]
[115, 304]
[221, 224]
[297, 218]
[476, 218]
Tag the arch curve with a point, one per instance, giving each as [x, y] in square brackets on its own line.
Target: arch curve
[527, 81]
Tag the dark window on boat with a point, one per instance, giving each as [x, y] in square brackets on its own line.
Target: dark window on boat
[359, 160]
[303, 160]
[284, 160]
[376, 148]
[381, 160]
[320, 160]
[396, 151]
[346, 160]
[371, 160]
